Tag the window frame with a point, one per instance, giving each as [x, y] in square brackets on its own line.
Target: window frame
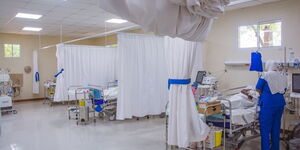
[258, 23]
[12, 45]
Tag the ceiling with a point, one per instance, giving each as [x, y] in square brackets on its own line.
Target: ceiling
[248, 3]
[73, 17]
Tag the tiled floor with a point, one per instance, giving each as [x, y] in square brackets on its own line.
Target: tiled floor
[38, 126]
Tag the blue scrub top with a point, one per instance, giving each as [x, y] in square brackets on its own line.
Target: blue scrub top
[267, 99]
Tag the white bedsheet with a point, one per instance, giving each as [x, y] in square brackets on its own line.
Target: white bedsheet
[243, 109]
[240, 101]
[80, 95]
[111, 93]
[243, 116]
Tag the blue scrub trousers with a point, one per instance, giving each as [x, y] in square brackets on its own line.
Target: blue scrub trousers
[270, 122]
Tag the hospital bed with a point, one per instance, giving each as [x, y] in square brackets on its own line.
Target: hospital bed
[105, 102]
[6, 93]
[108, 102]
[241, 123]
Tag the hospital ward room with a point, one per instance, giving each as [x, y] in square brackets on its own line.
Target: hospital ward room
[149, 75]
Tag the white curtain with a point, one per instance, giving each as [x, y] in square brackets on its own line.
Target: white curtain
[83, 65]
[184, 125]
[35, 72]
[142, 76]
[190, 20]
[198, 64]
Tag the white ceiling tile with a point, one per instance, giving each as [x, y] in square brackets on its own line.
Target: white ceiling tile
[49, 2]
[6, 13]
[55, 15]
[38, 7]
[76, 5]
[61, 9]
[12, 4]
[267, 1]
[249, 4]
[76, 17]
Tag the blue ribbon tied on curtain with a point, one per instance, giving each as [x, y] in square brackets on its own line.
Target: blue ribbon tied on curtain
[60, 72]
[256, 62]
[178, 81]
[37, 77]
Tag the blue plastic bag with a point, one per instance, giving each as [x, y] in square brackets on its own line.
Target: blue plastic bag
[256, 62]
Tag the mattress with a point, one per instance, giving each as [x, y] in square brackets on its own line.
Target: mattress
[243, 116]
[238, 117]
[111, 93]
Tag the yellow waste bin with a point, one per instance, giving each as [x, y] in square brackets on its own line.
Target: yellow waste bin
[81, 103]
[218, 138]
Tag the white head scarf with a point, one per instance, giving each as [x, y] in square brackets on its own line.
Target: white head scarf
[277, 81]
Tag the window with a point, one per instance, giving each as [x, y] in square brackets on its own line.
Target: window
[112, 45]
[260, 35]
[12, 50]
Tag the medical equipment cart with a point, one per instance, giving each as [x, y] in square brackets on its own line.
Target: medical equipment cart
[83, 107]
[49, 92]
[6, 93]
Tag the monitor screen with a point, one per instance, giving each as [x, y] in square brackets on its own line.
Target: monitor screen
[296, 82]
[200, 76]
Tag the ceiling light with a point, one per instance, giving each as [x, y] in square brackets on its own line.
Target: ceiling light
[116, 21]
[28, 16]
[32, 29]
[236, 2]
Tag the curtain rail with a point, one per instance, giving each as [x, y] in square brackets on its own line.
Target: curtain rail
[93, 36]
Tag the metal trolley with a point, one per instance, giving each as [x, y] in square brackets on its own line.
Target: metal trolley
[107, 103]
[82, 106]
[49, 92]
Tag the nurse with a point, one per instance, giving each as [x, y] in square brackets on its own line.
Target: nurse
[271, 86]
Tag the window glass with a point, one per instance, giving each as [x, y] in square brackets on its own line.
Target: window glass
[8, 50]
[247, 36]
[114, 45]
[16, 50]
[12, 50]
[270, 34]
[260, 35]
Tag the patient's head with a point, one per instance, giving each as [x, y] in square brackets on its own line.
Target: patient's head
[246, 92]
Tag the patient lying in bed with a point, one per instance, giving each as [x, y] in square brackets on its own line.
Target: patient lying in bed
[243, 106]
[243, 100]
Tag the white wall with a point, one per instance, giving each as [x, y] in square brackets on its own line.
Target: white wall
[28, 43]
[46, 60]
[221, 44]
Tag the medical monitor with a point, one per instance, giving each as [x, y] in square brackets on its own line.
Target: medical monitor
[296, 82]
[200, 76]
